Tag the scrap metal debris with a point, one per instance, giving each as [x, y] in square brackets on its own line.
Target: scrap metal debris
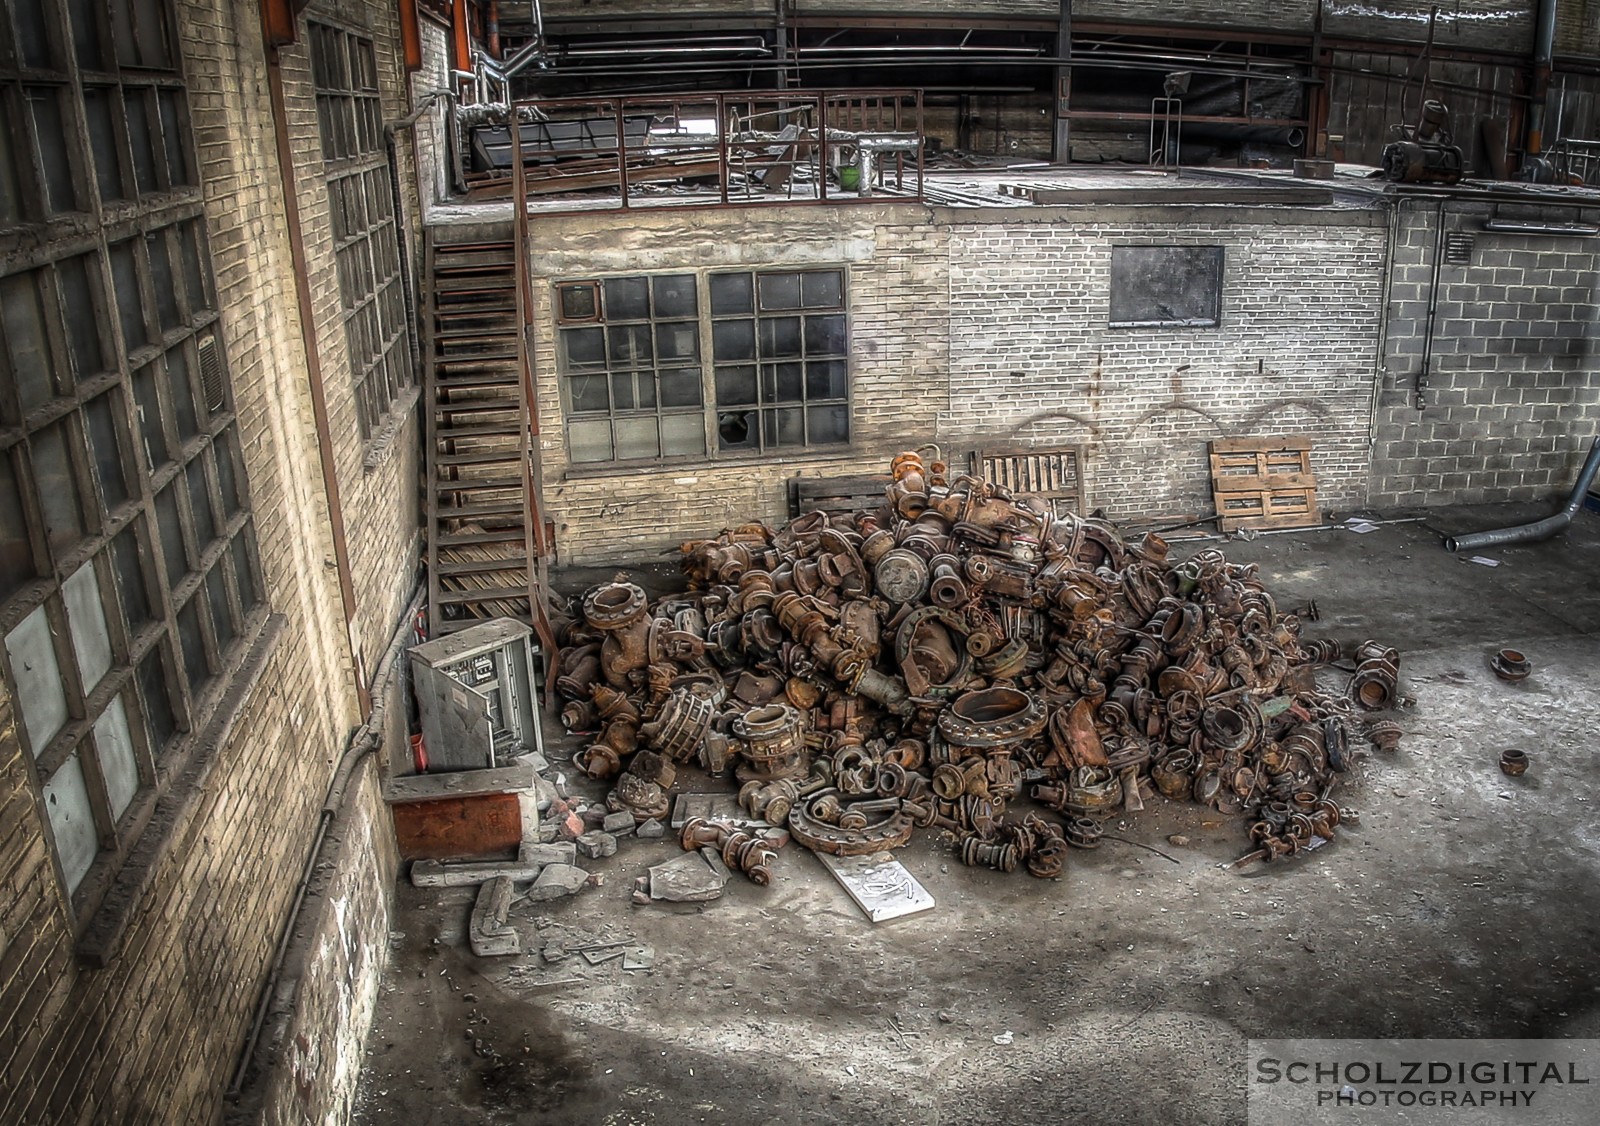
[927, 663]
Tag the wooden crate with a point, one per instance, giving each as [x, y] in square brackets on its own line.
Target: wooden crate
[1264, 483]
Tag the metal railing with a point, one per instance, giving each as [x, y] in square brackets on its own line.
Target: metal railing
[710, 149]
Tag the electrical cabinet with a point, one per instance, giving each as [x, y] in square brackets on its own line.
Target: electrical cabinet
[477, 693]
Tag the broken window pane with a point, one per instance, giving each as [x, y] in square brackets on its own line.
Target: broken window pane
[66, 802]
[113, 745]
[105, 448]
[736, 430]
[86, 621]
[149, 412]
[83, 321]
[100, 107]
[26, 345]
[16, 553]
[56, 486]
[52, 139]
[41, 697]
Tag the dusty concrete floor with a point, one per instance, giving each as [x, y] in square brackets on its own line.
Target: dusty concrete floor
[1464, 904]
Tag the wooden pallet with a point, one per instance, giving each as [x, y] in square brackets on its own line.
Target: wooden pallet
[1264, 483]
[1054, 474]
[837, 496]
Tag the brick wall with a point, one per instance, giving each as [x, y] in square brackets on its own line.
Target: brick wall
[1577, 27]
[1511, 402]
[896, 285]
[377, 476]
[1032, 360]
[994, 332]
[154, 1036]
[432, 157]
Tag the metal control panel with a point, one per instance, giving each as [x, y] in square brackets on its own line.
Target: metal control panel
[477, 693]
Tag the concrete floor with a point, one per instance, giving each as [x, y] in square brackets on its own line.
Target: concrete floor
[1464, 904]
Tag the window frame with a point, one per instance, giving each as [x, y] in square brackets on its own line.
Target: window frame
[705, 361]
[139, 263]
[364, 224]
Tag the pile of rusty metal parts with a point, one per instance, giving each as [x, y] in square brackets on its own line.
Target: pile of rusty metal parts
[927, 663]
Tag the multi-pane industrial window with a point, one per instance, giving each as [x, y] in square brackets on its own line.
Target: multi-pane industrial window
[128, 580]
[638, 385]
[361, 210]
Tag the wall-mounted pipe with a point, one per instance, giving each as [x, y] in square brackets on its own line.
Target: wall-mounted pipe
[1421, 388]
[365, 740]
[1539, 529]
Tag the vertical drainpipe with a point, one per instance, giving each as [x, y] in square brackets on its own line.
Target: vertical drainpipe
[308, 336]
[1544, 40]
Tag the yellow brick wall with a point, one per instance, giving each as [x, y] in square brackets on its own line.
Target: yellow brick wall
[155, 1035]
[899, 359]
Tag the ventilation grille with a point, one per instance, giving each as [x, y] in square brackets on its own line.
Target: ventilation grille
[1458, 248]
[213, 381]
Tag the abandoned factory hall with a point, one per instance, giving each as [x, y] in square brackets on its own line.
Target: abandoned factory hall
[609, 563]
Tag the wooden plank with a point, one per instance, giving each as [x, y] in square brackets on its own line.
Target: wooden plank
[1254, 483]
[1250, 445]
